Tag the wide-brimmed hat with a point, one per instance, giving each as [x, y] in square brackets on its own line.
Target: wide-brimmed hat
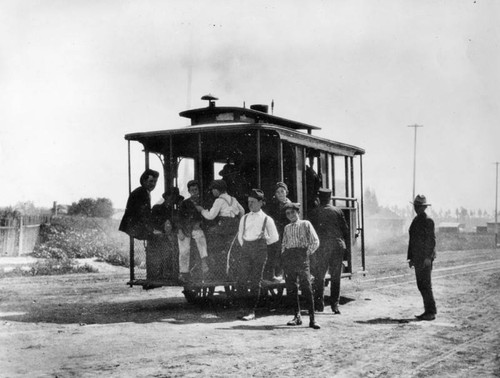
[228, 169]
[420, 200]
[292, 205]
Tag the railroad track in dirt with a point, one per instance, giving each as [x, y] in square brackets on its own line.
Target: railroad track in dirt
[389, 270]
[451, 264]
[408, 278]
[463, 347]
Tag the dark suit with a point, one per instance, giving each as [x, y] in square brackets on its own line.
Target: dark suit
[330, 224]
[422, 246]
[137, 221]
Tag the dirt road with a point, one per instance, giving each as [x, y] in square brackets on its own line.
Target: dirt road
[90, 325]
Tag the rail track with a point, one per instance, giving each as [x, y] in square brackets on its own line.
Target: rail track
[450, 264]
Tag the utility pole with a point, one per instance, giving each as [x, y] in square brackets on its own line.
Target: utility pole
[496, 205]
[414, 157]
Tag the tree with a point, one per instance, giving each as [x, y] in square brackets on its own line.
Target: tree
[27, 208]
[371, 202]
[89, 207]
[103, 208]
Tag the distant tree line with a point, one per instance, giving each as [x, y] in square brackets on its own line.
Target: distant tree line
[371, 206]
[89, 207]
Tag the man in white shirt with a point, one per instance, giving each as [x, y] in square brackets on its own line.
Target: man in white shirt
[256, 231]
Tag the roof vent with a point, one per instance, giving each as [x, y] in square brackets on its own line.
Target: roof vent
[211, 100]
[260, 108]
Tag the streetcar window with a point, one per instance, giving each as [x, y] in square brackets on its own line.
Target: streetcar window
[218, 169]
[185, 173]
[225, 117]
[340, 176]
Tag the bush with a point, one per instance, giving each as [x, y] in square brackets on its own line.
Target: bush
[60, 240]
[117, 260]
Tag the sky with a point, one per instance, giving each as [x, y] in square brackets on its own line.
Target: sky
[76, 76]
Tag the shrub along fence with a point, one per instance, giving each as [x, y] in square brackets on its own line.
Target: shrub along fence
[19, 235]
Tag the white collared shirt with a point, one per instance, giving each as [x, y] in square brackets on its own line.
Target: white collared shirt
[224, 206]
[253, 228]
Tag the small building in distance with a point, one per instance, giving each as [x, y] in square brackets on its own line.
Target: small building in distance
[490, 226]
[385, 223]
[481, 229]
[451, 227]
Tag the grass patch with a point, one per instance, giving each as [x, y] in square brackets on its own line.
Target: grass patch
[49, 267]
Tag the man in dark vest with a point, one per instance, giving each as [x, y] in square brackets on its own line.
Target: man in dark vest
[137, 220]
[330, 224]
[421, 254]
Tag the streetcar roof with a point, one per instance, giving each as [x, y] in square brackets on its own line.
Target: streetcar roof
[232, 113]
[150, 138]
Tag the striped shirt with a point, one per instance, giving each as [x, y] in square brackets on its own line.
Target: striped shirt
[300, 234]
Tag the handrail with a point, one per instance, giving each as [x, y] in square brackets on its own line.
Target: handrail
[345, 199]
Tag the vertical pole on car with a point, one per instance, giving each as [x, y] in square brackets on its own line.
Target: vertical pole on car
[361, 194]
[131, 239]
[496, 206]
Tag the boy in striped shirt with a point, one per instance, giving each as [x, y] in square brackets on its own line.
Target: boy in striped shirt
[300, 241]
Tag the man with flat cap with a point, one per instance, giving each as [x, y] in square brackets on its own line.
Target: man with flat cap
[256, 231]
[331, 226]
[421, 254]
[300, 241]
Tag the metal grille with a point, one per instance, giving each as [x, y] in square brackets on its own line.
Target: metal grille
[157, 260]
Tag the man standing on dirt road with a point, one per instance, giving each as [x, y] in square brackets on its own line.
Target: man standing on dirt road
[330, 224]
[421, 254]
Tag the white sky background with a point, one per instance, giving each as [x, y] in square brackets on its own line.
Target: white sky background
[75, 76]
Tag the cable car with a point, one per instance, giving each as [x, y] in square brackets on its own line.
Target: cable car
[259, 149]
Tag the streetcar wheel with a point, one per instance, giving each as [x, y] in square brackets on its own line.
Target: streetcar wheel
[191, 295]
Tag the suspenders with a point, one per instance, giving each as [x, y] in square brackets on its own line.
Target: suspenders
[261, 236]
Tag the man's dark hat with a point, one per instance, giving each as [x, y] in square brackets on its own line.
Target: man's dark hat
[257, 194]
[325, 194]
[170, 191]
[420, 200]
[292, 205]
[220, 185]
[280, 185]
[228, 169]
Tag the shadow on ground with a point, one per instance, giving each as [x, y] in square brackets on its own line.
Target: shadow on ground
[171, 310]
[387, 321]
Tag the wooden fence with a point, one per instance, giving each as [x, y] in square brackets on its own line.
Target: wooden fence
[18, 236]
